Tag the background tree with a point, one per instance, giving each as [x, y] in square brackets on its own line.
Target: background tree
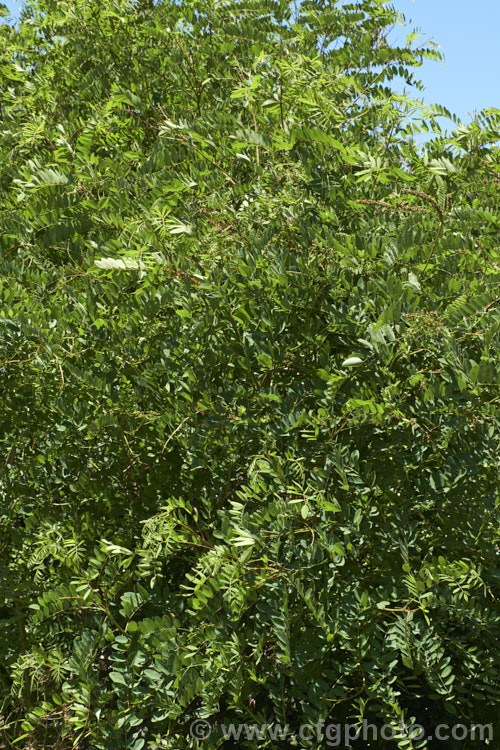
[249, 357]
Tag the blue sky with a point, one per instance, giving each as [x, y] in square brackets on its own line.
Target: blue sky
[468, 32]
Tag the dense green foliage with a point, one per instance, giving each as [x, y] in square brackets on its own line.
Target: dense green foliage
[250, 386]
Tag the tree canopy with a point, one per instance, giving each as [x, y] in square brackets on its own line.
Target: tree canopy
[249, 362]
